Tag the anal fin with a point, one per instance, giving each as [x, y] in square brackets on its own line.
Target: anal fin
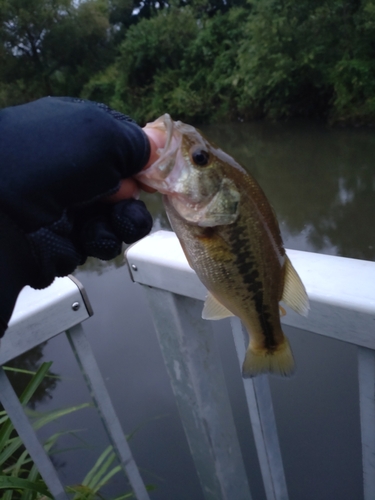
[214, 310]
[294, 293]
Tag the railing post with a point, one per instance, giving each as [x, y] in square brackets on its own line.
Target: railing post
[342, 301]
[21, 423]
[366, 377]
[193, 363]
[90, 370]
[259, 401]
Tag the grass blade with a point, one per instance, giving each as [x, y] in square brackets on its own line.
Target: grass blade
[88, 478]
[95, 480]
[27, 372]
[17, 483]
[107, 477]
[22, 460]
[32, 477]
[81, 492]
[34, 383]
[149, 487]
[10, 448]
[31, 387]
[4, 418]
[46, 418]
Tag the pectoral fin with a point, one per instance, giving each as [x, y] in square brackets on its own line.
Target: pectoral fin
[294, 293]
[282, 311]
[213, 310]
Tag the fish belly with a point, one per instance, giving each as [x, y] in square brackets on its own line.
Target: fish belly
[244, 274]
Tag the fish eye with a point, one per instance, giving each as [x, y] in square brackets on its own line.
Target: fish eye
[200, 157]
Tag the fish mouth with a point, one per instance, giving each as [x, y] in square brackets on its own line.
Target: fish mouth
[164, 174]
[156, 176]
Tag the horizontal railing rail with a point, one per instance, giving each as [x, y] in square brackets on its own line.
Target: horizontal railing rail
[342, 302]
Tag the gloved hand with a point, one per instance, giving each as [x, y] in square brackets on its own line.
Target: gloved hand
[58, 158]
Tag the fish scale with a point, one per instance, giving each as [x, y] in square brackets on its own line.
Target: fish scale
[253, 291]
[231, 238]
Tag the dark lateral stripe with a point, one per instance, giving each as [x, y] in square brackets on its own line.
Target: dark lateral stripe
[247, 267]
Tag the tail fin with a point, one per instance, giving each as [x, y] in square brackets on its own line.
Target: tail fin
[278, 362]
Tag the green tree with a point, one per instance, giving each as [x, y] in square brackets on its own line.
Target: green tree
[309, 58]
[285, 57]
[353, 74]
[150, 55]
[199, 60]
[174, 63]
[50, 46]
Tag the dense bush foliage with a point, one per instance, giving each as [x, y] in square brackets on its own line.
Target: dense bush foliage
[310, 58]
[199, 60]
[171, 63]
[50, 46]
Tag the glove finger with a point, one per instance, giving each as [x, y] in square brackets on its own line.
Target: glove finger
[98, 238]
[131, 220]
[55, 253]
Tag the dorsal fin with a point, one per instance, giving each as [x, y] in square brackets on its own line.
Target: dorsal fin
[212, 309]
[294, 293]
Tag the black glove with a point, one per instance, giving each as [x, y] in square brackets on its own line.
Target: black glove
[58, 158]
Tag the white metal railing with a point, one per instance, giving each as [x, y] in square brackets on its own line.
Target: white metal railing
[342, 301]
[38, 316]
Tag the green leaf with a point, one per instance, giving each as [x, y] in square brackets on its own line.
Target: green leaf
[11, 446]
[8, 495]
[17, 483]
[107, 477]
[22, 460]
[31, 387]
[123, 497]
[27, 372]
[33, 476]
[91, 474]
[82, 492]
[46, 418]
[97, 477]
[34, 383]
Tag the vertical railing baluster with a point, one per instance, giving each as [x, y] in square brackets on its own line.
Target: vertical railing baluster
[366, 377]
[194, 366]
[99, 393]
[259, 401]
[341, 292]
[16, 413]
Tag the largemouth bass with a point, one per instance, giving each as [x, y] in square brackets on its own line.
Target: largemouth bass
[231, 238]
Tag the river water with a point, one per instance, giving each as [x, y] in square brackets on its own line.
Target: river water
[321, 183]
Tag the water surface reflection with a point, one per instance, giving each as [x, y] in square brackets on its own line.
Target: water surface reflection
[321, 182]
